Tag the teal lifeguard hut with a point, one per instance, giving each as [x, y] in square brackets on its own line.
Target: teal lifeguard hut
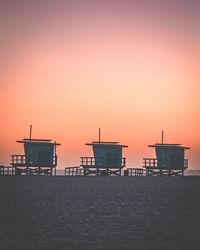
[39, 157]
[170, 159]
[107, 158]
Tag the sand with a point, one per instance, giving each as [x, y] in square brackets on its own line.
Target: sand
[40, 212]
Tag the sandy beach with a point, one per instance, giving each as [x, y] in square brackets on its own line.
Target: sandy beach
[41, 212]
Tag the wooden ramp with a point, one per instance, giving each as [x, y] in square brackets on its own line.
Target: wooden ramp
[135, 172]
[74, 171]
[7, 170]
[80, 171]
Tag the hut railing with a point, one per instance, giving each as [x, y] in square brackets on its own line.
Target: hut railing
[150, 162]
[88, 161]
[21, 160]
[186, 163]
[55, 160]
[123, 162]
[153, 163]
[18, 159]
[98, 162]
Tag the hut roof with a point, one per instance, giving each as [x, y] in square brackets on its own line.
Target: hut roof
[166, 145]
[105, 143]
[46, 141]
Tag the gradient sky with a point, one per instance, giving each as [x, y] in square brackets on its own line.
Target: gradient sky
[129, 67]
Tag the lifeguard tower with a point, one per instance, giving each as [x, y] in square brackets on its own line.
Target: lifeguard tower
[170, 159]
[39, 157]
[107, 159]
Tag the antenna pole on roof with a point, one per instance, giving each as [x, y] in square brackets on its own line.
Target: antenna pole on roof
[162, 136]
[99, 135]
[30, 132]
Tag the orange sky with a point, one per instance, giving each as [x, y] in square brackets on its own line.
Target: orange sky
[69, 68]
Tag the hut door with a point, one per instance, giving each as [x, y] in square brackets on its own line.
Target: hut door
[44, 158]
[112, 160]
[175, 161]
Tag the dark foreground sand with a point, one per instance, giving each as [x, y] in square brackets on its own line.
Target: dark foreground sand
[99, 213]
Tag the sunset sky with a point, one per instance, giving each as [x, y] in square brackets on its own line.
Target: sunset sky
[130, 67]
